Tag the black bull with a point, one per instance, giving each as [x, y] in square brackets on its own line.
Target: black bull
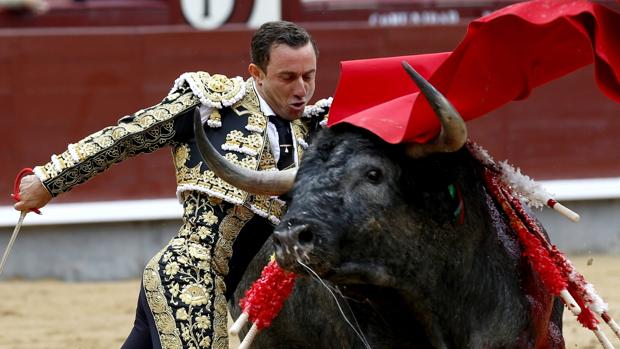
[380, 224]
[381, 228]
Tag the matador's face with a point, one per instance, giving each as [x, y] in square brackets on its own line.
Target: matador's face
[288, 82]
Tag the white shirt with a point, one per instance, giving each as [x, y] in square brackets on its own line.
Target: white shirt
[272, 131]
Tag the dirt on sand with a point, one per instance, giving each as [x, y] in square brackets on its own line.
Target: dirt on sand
[53, 314]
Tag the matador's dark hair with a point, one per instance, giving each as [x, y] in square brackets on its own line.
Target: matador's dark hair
[276, 33]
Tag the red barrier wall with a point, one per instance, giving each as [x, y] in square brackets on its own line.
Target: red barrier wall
[58, 85]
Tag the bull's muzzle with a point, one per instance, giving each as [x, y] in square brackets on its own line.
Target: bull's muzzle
[292, 243]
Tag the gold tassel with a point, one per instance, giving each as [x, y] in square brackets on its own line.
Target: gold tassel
[215, 116]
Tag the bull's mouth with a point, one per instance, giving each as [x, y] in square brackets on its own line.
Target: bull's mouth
[300, 249]
[306, 261]
[301, 264]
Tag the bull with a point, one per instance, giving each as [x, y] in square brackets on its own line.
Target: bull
[375, 224]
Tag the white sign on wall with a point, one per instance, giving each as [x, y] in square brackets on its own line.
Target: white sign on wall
[211, 14]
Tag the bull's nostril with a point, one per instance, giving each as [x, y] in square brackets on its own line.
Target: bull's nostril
[305, 237]
[293, 237]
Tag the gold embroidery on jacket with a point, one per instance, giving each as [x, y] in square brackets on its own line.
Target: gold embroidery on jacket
[247, 148]
[146, 132]
[234, 139]
[236, 218]
[300, 131]
[247, 161]
[230, 227]
[277, 209]
[168, 335]
[185, 291]
[215, 118]
[220, 88]
[220, 332]
[256, 123]
[215, 91]
[267, 161]
[250, 144]
[195, 179]
[251, 97]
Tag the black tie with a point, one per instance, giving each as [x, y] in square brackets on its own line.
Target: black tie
[286, 141]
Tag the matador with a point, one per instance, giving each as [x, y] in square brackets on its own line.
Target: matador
[260, 123]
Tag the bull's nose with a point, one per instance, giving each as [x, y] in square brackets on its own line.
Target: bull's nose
[292, 235]
[292, 238]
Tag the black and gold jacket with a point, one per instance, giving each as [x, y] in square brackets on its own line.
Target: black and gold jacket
[233, 122]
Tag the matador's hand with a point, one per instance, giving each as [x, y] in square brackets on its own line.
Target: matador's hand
[32, 194]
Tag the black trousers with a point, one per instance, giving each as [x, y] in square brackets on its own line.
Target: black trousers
[144, 334]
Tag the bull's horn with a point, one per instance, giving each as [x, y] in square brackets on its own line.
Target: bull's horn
[255, 182]
[453, 133]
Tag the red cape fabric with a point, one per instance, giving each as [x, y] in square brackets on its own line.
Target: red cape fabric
[503, 57]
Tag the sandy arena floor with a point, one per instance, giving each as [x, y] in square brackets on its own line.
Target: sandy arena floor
[51, 314]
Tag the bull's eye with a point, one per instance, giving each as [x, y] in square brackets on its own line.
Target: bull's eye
[374, 176]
